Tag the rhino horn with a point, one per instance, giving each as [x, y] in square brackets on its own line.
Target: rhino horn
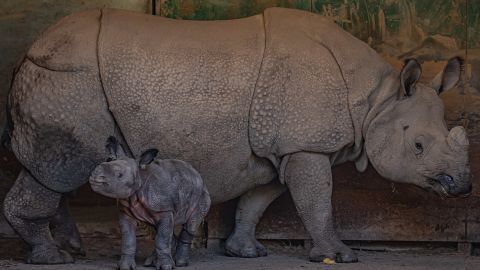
[457, 137]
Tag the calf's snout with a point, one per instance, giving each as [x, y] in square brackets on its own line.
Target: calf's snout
[97, 175]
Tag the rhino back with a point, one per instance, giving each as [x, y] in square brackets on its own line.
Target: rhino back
[185, 87]
[312, 76]
[58, 109]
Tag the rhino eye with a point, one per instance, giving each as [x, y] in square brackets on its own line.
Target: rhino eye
[419, 147]
[120, 175]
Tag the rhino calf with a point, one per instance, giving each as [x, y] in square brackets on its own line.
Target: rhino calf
[161, 193]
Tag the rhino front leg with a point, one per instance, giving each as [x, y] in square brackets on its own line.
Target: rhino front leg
[28, 207]
[309, 179]
[163, 242]
[64, 229]
[250, 208]
[128, 226]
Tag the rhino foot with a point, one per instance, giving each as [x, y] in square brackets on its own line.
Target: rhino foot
[48, 255]
[164, 262]
[182, 257]
[70, 243]
[151, 260]
[244, 247]
[340, 255]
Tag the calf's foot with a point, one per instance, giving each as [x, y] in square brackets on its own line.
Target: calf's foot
[164, 262]
[182, 257]
[127, 262]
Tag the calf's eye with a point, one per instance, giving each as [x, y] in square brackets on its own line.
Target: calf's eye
[120, 175]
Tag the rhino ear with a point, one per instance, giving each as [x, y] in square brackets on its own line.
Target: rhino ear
[112, 146]
[409, 76]
[147, 157]
[449, 76]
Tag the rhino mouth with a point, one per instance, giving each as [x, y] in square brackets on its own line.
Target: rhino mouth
[97, 182]
[444, 185]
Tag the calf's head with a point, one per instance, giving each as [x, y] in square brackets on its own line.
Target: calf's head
[118, 177]
[409, 141]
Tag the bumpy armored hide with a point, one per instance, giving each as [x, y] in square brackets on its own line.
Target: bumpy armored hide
[312, 90]
[184, 87]
[208, 92]
[58, 106]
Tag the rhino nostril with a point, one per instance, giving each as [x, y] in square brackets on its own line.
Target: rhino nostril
[446, 181]
[460, 189]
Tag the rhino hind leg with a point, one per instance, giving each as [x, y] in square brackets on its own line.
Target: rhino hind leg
[185, 239]
[250, 208]
[28, 207]
[65, 231]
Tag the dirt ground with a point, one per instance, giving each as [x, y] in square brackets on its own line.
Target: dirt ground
[102, 253]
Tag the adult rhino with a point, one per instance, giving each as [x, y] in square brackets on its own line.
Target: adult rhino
[258, 105]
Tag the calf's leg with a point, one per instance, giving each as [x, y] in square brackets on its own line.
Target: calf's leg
[128, 226]
[184, 241]
[163, 242]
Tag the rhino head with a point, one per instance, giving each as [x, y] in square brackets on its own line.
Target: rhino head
[118, 177]
[408, 141]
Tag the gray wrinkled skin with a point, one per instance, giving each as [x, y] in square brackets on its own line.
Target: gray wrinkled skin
[283, 95]
[162, 193]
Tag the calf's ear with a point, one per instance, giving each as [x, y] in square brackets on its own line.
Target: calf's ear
[449, 76]
[409, 76]
[147, 157]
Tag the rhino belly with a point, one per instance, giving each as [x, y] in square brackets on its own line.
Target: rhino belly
[185, 87]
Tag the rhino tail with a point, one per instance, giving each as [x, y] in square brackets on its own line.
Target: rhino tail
[7, 127]
[5, 140]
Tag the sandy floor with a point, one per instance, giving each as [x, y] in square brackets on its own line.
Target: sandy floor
[102, 254]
